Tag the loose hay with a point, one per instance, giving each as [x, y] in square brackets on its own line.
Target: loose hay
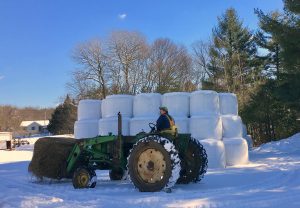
[50, 157]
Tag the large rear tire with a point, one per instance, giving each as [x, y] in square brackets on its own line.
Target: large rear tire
[153, 164]
[193, 163]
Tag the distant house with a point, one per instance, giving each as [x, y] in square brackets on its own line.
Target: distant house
[35, 127]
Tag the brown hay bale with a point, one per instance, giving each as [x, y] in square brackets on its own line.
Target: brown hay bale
[50, 157]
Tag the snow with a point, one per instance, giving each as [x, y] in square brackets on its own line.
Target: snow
[270, 179]
[89, 110]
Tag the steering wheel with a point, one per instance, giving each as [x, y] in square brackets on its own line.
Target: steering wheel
[152, 126]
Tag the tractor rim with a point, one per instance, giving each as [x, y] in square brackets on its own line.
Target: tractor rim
[151, 166]
[83, 179]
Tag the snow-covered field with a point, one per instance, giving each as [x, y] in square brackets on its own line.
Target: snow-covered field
[271, 179]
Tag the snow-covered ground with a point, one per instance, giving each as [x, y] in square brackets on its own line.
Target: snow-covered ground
[272, 179]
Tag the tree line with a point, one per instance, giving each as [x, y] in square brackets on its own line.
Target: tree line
[261, 66]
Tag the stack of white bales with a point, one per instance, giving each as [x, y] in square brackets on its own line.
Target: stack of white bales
[178, 104]
[110, 108]
[88, 115]
[145, 111]
[236, 147]
[206, 125]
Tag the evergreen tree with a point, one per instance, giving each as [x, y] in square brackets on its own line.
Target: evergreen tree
[233, 57]
[63, 118]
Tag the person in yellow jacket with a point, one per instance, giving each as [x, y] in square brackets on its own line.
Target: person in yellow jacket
[165, 122]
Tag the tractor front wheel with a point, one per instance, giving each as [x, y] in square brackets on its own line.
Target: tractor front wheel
[84, 178]
[153, 164]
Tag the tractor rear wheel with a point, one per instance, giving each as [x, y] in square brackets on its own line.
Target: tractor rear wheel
[153, 164]
[116, 174]
[84, 178]
[193, 163]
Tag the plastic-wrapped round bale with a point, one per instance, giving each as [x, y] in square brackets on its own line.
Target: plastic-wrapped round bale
[114, 104]
[89, 110]
[206, 127]
[228, 104]
[146, 104]
[141, 124]
[204, 102]
[215, 153]
[236, 151]
[178, 103]
[182, 124]
[86, 129]
[232, 126]
[110, 125]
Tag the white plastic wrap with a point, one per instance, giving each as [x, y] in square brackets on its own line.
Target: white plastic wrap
[178, 103]
[89, 110]
[228, 104]
[140, 124]
[110, 125]
[206, 127]
[236, 151]
[86, 129]
[232, 126]
[215, 153]
[182, 124]
[204, 102]
[113, 104]
[146, 105]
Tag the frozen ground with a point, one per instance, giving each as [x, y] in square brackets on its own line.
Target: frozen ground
[272, 179]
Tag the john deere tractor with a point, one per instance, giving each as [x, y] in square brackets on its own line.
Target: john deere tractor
[152, 161]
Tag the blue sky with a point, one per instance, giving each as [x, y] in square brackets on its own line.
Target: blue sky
[37, 36]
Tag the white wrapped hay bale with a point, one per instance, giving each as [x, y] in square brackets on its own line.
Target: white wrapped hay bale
[89, 110]
[110, 125]
[86, 129]
[178, 103]
[228, 104]
[236, 151]
[206, 127]
[182, 124]
[146, 104]
[140, 124]
[113, 104]
[204, 102]
[215, 153]
[232, 126]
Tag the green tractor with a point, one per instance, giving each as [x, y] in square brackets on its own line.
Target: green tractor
[152, 161]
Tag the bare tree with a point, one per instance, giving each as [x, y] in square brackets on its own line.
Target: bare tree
[94, 72]
[128, 54]
[169, 66]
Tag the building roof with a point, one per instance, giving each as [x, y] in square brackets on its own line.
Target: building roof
[39, 122]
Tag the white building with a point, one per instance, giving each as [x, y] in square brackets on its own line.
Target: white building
[35, 127]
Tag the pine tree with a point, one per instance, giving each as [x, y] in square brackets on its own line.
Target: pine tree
[63, 118]
[233, 54]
